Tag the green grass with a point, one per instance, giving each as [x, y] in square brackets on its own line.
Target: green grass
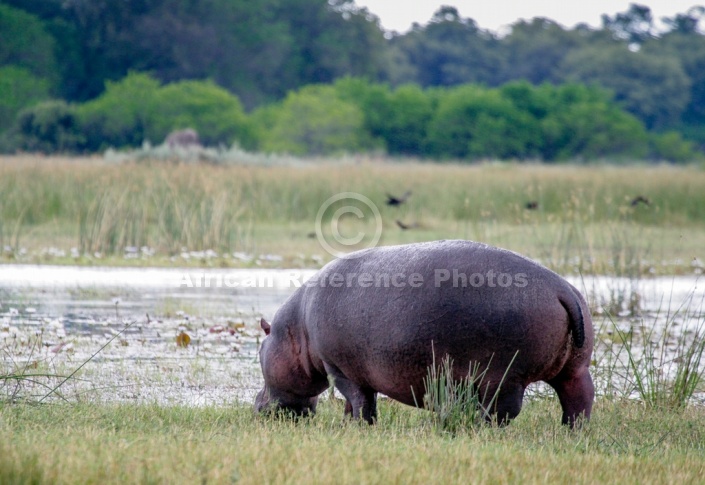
[584, 222]
[624, 443]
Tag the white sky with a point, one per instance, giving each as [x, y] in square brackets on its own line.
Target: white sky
[494, 14]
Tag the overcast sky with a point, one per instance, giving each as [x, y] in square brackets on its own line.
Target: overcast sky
[494, 14]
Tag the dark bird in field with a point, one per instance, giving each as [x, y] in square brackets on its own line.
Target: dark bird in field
[404, 227]
[640, 199]
[532, 205]
[397, 201]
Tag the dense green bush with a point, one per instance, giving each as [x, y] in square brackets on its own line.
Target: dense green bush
[397, 118]
[48, 127]
[119, 117]
[583, 123]
[138, 109]
[213, 112]
[474, 122]
[671, 147]
[314, 120]
[516, 121]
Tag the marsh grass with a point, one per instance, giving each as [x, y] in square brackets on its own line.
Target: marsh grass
[584, 220]
[34, 371]
[665, 364]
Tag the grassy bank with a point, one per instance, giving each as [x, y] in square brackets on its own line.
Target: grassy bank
[584, 217]
[625, 443]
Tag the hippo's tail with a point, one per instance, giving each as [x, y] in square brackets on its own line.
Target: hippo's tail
[571, 303]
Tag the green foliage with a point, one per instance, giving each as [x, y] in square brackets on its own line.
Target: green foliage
[585, 124]
[257, 50]
[315, 120]
[137, 109]
[535, 50]
[516, 121]
[19, 88]
[120, 116]
[399, 118]
[261, 52]
[212, 111]
[409, 112]
[473, 122]
[25, 43]
[653, 88]
[689, 49]
[48, 127]
[449, 50]
[671, 146]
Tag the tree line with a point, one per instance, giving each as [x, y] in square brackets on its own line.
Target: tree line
[80, 75]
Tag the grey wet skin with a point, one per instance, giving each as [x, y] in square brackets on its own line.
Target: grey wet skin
[376, 322]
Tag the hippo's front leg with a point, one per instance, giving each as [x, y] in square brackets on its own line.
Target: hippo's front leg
[359, 402]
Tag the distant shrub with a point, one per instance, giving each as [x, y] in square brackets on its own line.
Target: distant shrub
[474, 122]
[119, 117]
[48, 127]
[399, 118]
[216, 114]
[314, 121]
[138, 109]
[671, 147]
[584, 123]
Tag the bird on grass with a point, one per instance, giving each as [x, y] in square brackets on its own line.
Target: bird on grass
[531, 205]
[397, 201]
[405, 227]
[640, 199]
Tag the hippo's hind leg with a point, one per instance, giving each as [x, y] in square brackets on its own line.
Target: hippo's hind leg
[576, 394]
[360, 402]
[504, 404]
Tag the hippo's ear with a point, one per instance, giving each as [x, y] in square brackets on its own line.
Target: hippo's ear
[265, 326]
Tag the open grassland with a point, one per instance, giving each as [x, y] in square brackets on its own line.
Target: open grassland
[584, 217]
[625, 443]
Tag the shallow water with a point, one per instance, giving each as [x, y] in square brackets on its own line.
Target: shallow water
[54, 318]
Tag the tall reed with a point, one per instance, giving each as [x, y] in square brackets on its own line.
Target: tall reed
[579, 211]
[665, 361]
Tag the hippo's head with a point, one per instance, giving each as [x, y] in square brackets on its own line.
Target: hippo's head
[286, 388]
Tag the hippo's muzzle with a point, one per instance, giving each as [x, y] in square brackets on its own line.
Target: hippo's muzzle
[267, 403]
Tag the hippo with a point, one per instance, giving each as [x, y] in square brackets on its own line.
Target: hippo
[378, 319]
[187, 138]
